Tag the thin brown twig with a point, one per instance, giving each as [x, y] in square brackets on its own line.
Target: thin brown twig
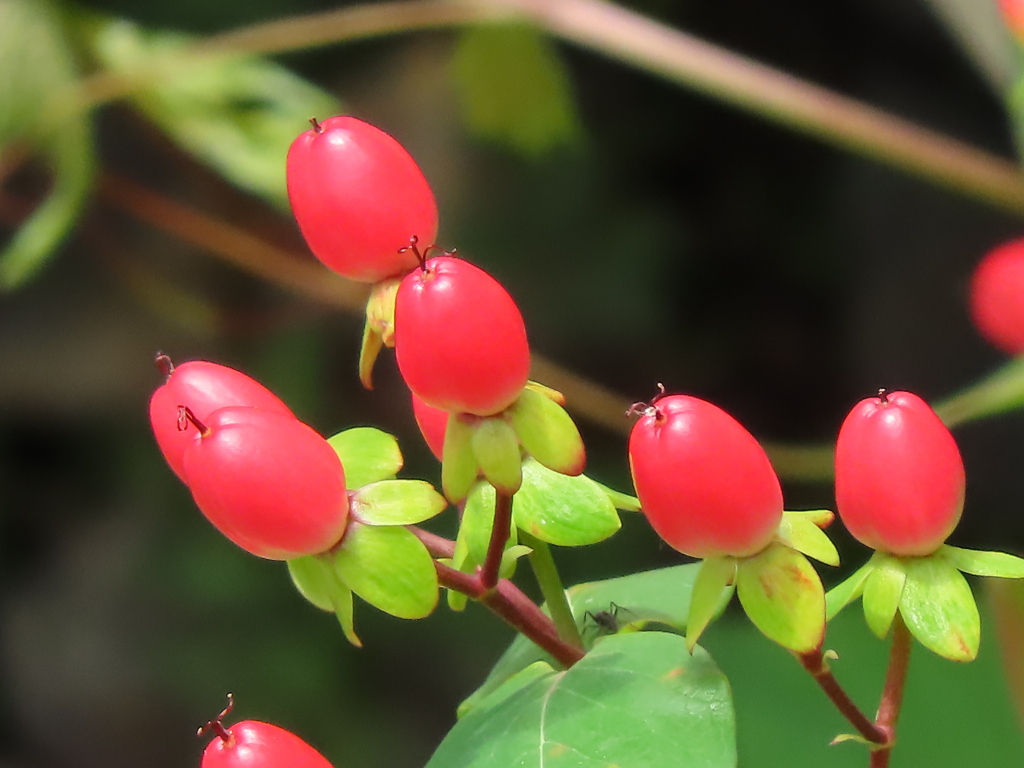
[499, 537]
[814, 662]
[892, 692]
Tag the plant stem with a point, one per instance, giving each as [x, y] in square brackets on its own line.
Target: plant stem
[508, 602]
[546, 573]
[814, 662]
[489, 572]
[892, 692]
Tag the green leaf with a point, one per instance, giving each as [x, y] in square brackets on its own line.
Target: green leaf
[997, 564]
[514, 89]
[38, 77]
[496, 449]
[848, 590]
[635, 700]
[238, 114]
[389, 568]
[317, 581]
[782, 594]
[661, 595]
[939, 608]
[512, 685]
[882, 591]
[548, 433]
[367, 454]
[397, 502]
[458, 466]
[562, 510]
[716, 574]
[802, 532]
[621, 501]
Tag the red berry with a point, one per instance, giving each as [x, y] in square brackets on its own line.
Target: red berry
[432, 423]
[359, 197]
[899, 475]
[703, 481]
[1013, 15]
[203, 388]
[268, 482]
[997, 297]
[252, 744]
[459, 338]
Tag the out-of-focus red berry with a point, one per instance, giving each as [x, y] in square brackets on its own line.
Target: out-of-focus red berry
[460, 340]
[268, 482]
[899, 476]
[432, 423]
[704, 482]
[359, 197]
[203, 388]
[997, 297]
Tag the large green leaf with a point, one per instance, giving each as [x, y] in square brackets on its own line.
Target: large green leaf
[38, 74]
[661, 595]
[635, 701]
[238, 114]
[514, 89]
[389, 568]
[367, 454]
[562, 510]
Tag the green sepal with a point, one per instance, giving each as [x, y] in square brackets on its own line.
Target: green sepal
[716, 573]
[379, 330]
[318, 582]
[397, 502]
[782, 594]
[367, 455]
[457, 601]
[562, 510]
[939, 608]
[847, 591]
[509, 557]
[802, 532]
[844, 737]
[548, 433]
[548, 392]
[475, 528]
[497, 453]
[883, 588]
[458, 466]
[995, 564]
[820, 517]
[622, 501]
[389, 568]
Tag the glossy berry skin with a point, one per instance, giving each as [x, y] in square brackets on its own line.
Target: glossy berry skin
[268, 482]
[203, 388]
[704, 482]
[432, 423]
[460, 340]
[997, 297]
[358, 198]
[252, 744]
[899, 475]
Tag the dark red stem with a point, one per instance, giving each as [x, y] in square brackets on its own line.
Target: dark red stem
[814, 662]
[892, 693]
[164, 364]
[437, 546]
[508, 602]
[499, 537]
[317, 128]
[217, 724]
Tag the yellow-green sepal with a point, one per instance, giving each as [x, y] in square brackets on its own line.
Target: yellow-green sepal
[496, 452]
[782, 595]
[803, 532]
[379, 329]
[883, 589]
[547, 433]
[459, 467]
[316, 580]
[715, 575]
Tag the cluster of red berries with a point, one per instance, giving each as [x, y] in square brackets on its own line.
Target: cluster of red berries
[267, 481]
[709, 490]
[363, 205]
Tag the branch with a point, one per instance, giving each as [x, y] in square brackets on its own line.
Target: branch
[892, 692]
[814, 662]
[499, 537]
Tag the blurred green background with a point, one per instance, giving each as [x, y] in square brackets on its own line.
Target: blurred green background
[649, 234]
